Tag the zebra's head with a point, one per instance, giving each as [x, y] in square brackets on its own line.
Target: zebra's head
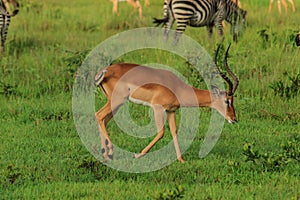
[239, 23]
[236, 16]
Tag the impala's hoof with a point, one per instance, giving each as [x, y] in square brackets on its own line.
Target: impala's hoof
[139, 155]
[181, 160]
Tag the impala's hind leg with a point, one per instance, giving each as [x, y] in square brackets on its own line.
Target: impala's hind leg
[103, 116]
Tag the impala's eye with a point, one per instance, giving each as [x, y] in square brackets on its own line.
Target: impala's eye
[227, 102]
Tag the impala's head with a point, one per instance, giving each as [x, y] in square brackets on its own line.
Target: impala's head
[223, 103]
[223, 100]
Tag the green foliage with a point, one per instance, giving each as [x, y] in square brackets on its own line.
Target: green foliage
[7, 89]
[169, 194]
[73, 60]
[290, 151]
[270, 38]
[194, 76]
[10, 175]
[288, 90]
[291, 148]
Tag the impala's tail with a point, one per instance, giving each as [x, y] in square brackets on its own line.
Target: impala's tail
[99, 77]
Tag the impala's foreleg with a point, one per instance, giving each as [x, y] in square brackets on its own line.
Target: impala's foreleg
[172, 124]
[159, 121]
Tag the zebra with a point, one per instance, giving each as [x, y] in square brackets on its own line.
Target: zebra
[198, 13]
[5, 19]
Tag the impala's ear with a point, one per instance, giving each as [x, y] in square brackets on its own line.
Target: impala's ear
[215, 90]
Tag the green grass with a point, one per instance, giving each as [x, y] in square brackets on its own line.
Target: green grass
[42, 156]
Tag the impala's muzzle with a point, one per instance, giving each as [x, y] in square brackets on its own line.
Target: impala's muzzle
[232, 121]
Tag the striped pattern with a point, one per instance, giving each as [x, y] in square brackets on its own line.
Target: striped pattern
[198, 13]
[5, 21]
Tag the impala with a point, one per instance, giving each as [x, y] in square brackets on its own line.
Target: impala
[164, 92]
[279, 2]
[135, 3]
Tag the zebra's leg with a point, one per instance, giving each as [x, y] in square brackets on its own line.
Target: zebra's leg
[2, 47]
[219, 27]
[177, 36]
[169, 17]
[210, 30]
[168, 27]
[234, 31]
[4, 30]
[2, 39]
[181, 26]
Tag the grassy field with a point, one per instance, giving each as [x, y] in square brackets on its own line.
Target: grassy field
[42, 156]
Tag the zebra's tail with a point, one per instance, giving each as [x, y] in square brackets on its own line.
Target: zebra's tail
[158, 22]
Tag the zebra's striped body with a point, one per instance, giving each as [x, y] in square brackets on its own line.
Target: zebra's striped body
[4, 22]
[198, 13]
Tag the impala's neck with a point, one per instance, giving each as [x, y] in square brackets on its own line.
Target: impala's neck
[203, 99]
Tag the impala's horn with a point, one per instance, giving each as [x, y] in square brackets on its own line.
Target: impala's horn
[235, 79]
[230, 85]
